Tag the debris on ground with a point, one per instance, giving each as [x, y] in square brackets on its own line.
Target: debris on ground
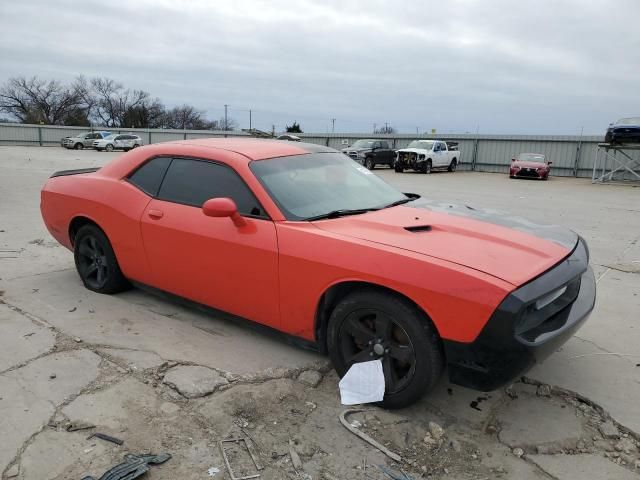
[13, 472]
[363, 383]
[106, 437]
[544, 390]
[228, 463]
[609, 430]
[518, 452]
[295, 458]
[365, 437]
[75, 426]
[213, 471]
[133, 467]
[310, 377]
[436, 430]
[194, 381]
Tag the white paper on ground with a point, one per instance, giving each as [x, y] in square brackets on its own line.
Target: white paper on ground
[363, 383]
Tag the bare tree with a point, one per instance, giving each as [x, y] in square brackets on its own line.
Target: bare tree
[39, 101]
[115, 104]
[388, 129]
[185, 117]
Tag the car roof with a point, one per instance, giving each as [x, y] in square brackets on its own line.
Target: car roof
[256, 148]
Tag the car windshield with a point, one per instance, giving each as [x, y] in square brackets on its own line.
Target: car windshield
[363, 144]
[110, 137]
[531, 157]
[307, 186]
[629, 121]
[424, 144]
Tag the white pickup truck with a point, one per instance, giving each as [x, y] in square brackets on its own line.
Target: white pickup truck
[427, 155]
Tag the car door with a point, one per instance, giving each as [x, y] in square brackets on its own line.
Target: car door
[211, 260]
[387, 155]
[440, 155]
[90, 138]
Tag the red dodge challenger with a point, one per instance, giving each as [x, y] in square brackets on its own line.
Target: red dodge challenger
[302, 239]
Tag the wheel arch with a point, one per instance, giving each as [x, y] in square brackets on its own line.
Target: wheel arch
[77, 222]
[336, 292]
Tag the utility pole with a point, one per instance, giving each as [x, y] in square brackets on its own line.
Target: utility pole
[333, 125]
[226, 125]
[417, 131]
[386, 128]
[273, 130]
[374, 127]
[249, 119]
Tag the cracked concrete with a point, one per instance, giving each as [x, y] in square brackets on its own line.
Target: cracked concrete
[70, 356]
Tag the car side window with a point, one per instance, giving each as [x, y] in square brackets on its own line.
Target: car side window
[384, 145]
[193, 182]
[149, 176]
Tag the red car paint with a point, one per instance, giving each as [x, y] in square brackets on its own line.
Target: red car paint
[528, 169]
[276, 271]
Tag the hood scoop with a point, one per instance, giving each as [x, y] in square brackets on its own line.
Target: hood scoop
[418, 228]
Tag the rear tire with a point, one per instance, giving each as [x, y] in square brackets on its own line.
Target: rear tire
[367, 322]
[453, 165]
[96, 261]
[398, 169]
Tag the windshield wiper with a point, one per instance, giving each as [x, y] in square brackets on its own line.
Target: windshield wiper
[400, 202]
[341, 213]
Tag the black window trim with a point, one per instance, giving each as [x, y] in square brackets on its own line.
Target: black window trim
[127, 179]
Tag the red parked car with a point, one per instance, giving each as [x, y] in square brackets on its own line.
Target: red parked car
[301, 239]
[530, 165]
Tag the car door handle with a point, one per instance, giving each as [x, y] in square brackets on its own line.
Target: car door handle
[155, 213]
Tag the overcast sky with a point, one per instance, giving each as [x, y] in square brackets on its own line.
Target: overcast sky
[536, 67]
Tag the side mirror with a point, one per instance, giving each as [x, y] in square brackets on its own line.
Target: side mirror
[223, 207]
[513, 159]
[549, 163]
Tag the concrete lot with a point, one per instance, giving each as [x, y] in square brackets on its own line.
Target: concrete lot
[165, 378]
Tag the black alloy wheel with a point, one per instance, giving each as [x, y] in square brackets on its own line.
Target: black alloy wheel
[373, 325]
[96, 262]
[369, 163]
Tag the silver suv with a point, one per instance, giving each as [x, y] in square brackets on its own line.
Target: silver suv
[84, 140]
[118, 142]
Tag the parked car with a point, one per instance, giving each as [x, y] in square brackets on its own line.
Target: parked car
[371, 152]
[427, 155]
[530, 165]
[118, 142]
[289, 137]
[293, 237]
[83, 140]
[625, 130]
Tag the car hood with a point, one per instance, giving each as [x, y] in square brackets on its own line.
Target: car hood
[414, 150]
[525, 164]
[355, 149]
[507, 247]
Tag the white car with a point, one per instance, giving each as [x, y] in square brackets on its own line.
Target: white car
[427, 155]
[118, 142]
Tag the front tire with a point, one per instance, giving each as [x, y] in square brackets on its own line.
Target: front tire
[369, 163]
[96, 261]
[109, 148]
[426, 167]
[78, 146]
[368, 325]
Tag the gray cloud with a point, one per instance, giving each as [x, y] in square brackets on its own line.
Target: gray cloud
[502, 66]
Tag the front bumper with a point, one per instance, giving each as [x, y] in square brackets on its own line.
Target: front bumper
[528, 173]
[524, 330]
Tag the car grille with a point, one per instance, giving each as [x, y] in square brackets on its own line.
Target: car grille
[527, 172]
